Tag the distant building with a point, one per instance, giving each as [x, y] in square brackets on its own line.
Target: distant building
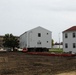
[36, 38]
[58, 45]
[69, 40]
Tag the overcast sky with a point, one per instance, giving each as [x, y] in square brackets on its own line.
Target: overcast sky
[18, 16]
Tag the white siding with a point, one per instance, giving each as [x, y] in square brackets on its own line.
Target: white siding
[23, 40]
[70, 40]
[33, 38]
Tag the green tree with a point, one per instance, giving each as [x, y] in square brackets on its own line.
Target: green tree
[10, 41]
[52, 42]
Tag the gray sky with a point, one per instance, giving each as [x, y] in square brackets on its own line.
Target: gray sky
[18, 16]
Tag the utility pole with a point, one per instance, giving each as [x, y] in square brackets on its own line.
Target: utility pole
[59, 41]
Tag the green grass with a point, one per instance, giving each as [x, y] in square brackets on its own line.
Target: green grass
[56, 50]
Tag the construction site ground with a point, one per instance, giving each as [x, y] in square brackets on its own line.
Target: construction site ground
[19, 63]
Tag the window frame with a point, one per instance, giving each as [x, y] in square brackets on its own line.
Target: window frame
[66, 35]
[39, 42]
[66, 45]
[39, 34]
[47, 33]
[73, 34]
[47, 41]
[74, 45]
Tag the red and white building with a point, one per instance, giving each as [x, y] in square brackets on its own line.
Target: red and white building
[69, 40]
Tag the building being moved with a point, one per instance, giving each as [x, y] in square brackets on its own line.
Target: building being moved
[36, 39]
[69, 40]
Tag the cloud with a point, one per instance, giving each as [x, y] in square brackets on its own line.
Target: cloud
[54, 5]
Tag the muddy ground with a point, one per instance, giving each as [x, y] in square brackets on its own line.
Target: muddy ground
[18, 63]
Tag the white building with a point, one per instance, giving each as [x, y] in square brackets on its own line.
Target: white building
[58, 45]
[69, 40]
[36, 38]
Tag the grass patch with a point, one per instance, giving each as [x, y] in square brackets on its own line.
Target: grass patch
[56, 50]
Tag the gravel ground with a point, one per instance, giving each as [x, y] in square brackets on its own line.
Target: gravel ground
[18, 63]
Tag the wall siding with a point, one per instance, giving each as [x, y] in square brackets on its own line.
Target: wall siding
[70, 40]
[33, 38]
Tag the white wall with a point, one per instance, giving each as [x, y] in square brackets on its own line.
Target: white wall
[23, 40]
[33, 38]
[70, 40]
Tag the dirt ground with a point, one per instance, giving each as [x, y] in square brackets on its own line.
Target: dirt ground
[18, 63]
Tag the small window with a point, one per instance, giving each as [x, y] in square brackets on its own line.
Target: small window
[47, 41]
[47, 33]
[39, 43]
[66, 45]
[39, 34]
[74, 35]
[66, 35]
[74, 45]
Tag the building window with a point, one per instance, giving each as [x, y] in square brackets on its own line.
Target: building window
[74, 35]
[74, 45]
[47, 33]
[66, 35]
[66, 45]
[39, 34]
[47, 41]
[39, 42]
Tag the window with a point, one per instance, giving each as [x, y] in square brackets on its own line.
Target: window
[39, 34]
[66, 36]
[74, 35]
[47, 33]
[66, 45]
[74, 45]
[39, 42]
[47, 41]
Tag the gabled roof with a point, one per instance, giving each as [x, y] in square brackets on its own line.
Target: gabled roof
[40, 27]
[73, 28]
[35, 28]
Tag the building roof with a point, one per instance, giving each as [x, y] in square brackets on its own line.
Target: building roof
[73, 28]
[35, 28]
